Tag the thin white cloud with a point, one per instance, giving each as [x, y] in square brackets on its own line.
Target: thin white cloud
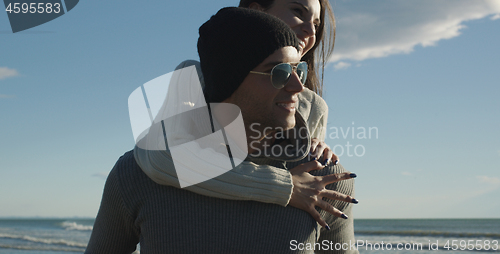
[414, 174]
[102, 175]
[489, 180]
[7, 96]
[406, 173]
[341, 65]
[7, 73]
[381, 28]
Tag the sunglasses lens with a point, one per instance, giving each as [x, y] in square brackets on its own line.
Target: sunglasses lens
[281, 74]
[302, 72]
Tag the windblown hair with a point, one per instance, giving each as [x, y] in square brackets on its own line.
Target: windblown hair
[325, 40]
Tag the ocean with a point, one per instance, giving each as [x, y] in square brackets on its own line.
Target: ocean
[70, 236]
[44, 236]
[428, 236]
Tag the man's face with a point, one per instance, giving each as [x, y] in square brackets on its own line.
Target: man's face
[260, 102]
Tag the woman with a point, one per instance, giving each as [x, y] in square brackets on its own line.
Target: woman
[308, 19]
[313, 22]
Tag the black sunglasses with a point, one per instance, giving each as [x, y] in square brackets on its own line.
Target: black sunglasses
[281, 73]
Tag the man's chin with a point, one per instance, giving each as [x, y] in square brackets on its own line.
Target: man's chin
[288, 124]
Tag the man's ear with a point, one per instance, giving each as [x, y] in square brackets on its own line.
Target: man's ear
[255, 6]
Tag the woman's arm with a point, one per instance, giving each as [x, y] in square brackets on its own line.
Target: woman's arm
[247, 181]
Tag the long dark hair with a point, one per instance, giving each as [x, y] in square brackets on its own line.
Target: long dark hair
[325, 40]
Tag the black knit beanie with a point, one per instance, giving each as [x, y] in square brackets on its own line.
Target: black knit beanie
[235, 41]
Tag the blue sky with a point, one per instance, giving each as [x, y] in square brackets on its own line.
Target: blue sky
[424, 74]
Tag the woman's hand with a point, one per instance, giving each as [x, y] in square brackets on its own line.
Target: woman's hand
[309, 191]
[320, 148]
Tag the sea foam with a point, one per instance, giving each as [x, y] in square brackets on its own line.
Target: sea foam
[44, 240]
[70, 225]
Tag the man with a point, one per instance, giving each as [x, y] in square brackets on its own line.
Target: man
[238, 50]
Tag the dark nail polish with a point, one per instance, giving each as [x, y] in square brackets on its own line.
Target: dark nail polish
[354, 201]
[336, 162]
[352, 175]
[344, 216]
[326, 162]
[314, 158]
[327, 227]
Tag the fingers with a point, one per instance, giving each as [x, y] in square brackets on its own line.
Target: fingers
[327, 156]
[313, 152]
[321, 149]
[317, 217]
[337, 177]
[330, 209]
[335, 159]
[334, 195]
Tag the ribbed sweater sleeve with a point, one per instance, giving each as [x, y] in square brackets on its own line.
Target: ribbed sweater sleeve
[247, 181]
[113, 230]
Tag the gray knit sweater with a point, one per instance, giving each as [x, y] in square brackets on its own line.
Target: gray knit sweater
[164, 219]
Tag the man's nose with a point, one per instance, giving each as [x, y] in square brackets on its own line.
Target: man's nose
[294, 85]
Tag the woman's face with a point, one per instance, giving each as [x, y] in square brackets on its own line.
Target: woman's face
[303, 16]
